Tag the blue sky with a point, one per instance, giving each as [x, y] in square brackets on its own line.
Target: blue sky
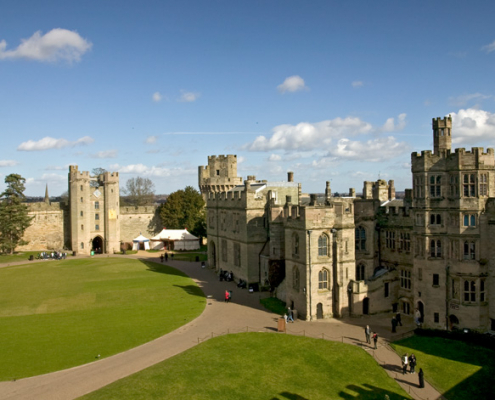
[339, 91]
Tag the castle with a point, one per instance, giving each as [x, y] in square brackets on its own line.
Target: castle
[91, 220]
[429, 253]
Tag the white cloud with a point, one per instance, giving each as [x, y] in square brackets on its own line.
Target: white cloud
[151, 139]
[153, 171]
[357, 84]
[58, 44]
[157, 97]
[292, 84]
[274, 157]
[106, 154]
[8, 163]
[188, 97]
[462, 100]
[391, 126]
[373, 150]
[472, 125]
[48, 143]
[309, 136]
[489, 47]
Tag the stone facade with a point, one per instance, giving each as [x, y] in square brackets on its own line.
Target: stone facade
[92, 219]
[429, 252]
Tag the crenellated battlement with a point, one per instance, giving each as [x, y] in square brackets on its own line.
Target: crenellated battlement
[75, 173]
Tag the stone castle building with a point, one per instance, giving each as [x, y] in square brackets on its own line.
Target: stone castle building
[332, 256]
[91, 219]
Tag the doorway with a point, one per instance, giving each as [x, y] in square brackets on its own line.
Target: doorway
[366, 306]
[97, 245]
[319, 311]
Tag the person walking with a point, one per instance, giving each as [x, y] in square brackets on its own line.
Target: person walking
[161, 258]
[412, 363]
[375, 339]
[166, 256]
[421, 378]
[290, 316]
[405, 361]
[227, 296]
[230, 295]
[394, 325]
[398, 318]
[367, 333]
[417, 318]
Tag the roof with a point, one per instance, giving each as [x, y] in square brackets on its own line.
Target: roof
[174, 234]
[141, 238]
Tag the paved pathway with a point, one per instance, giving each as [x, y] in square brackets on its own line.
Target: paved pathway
[244, 313]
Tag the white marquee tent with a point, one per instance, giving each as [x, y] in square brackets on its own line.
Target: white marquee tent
[175, 239]
[140, 239]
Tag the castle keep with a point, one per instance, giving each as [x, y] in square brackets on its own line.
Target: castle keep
[92, 219]
[333, 256]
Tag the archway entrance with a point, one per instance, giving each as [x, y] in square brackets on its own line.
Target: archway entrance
[319, 311]
[366, 306]
[97, 245]
[454, 321]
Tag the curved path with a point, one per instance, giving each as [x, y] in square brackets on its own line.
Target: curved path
[243, 313]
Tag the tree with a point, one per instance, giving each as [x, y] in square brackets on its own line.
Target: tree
[185, 209]
[139, 191]
[14, 217]
[96, 172]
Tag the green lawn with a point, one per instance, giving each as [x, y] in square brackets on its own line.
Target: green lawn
[189, 256]
[265, 366]
[458, 370]
[59, 314]
[16, 257]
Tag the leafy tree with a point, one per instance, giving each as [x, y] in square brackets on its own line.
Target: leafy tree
[139, 191]
[185, 209]
[14, 218]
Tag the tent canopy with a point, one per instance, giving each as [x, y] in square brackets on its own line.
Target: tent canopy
[140, 239]
[181, 239]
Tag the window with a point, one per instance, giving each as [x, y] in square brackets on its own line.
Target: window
[469, 291]
[82, 199]
[390, 239]
[407, 242]
[435, 219]
[97, 205]
[435, 185]
[323, 279]
[470, 220]
[237, 254]
[360, 237]
[405, 279]
[436, 280]
[82, 245]
[418, 182]
[97, 227]
[82, 213]
[436, 248]
[218, 172]
[360, 270]
[295, 245]
[81, 187]
[224, 250]
[420, 274]
[436, 317]
[323, 245]
[296, 277]
[386, 287]
[482, 290]
[469, 250]
[97, 216]
[483, 190]
[469, 185]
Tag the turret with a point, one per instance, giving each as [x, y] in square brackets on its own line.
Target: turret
[442, 136]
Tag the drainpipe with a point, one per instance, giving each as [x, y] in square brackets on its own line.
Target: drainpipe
[309, 292]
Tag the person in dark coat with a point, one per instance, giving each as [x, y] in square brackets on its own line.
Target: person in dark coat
[397, 317]
[421, 378]
[375, 339]
[161, 257]
[166, 256]
[394, 325]
[367, 332]
[412, 363]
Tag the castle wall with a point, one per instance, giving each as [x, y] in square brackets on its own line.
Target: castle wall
[136, 220]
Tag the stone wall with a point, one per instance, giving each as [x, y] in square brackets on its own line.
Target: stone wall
[136, 220]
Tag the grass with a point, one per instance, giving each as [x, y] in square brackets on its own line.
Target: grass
[458, 370]
[21, 256]
[274, 305]
[260, 366]
[189, 256]
[59, 314]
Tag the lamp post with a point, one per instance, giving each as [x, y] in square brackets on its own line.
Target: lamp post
[309, 261]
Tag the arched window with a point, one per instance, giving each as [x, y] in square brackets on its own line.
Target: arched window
[323, 279]
[323, 245]
[360, 269]
[360, 238]
[295, 244]
[295, 278]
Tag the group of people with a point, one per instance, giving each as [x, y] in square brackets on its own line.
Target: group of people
[165, 257]
[54, 255]
[371, 335]
[289, 316]
[411, 362]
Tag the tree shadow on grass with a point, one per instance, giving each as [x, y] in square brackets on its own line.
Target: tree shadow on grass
[192, 290]
[163, 269]
[290, 396]
[367, 391]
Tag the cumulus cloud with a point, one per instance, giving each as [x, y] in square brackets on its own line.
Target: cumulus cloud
[373, 150]
[391, 126]
[105, 154]
[8, 163]
[188, 97]
[58, 44]
[154, 171]
[472, 125]
[48, 143]
[308, 136]
[292, 84]
[462, 100]
[489, 47]
[357, 84]
[274, 157]
[151, 139]
[157, 97]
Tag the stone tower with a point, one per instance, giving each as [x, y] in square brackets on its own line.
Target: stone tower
[442, 135]
[220, 175]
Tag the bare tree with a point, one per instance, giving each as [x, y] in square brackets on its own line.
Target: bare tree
[96, 172]
[139, 191]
